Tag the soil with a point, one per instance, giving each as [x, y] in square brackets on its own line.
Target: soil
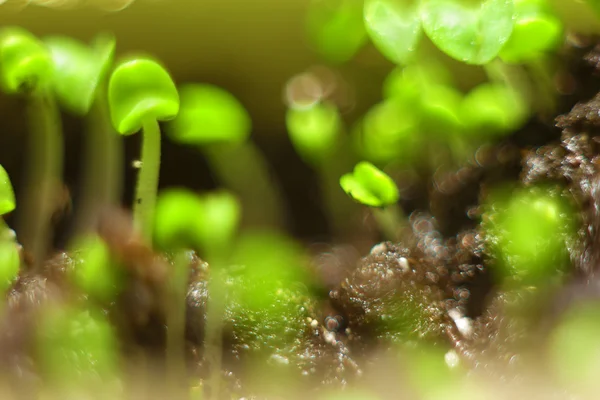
[434, 287]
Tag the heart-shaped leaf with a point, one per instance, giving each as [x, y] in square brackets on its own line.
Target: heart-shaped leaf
[370, 186]
[472, 34]
[394, 27]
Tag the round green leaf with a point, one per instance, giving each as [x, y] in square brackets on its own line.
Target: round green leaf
[140, 89]
[335, 28]
[10, 263]
[208, 115]
[78, 69]
[95, 270]
[370, 186]
[7, 194]
[472, 33]
[536, 31]
[222, 213]
[25, 63]
[493, 108]
[394, 28]
[314, 131]
[409, 82]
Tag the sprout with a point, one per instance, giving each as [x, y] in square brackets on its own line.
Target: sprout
[536, 31]
[372, 187]
[408, 82]
[218, 124]
[472, 34]
[26, 66]
[528, 232]
[79, 69]
[314, 131]
[7, 195]
[336, 29]
[186, 221]
[493, 108]
[209, 115]
[10, 262]
[95, 272]
[394, 28]
[141, 93]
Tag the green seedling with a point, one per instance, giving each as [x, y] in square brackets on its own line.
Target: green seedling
[79, 83]
[473, 32]
[26, 67]
[493, 109]
[10, 259]
[408, 82]
[95, 271]
[141, 93]
[77, 349]
[372, 187]
[394, 27]
[536, 31]
[217, 123]
[7, 201]
[207, 224]
[336, 29]
[529, 232]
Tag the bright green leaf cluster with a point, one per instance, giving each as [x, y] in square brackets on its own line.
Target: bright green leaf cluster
[370, 186]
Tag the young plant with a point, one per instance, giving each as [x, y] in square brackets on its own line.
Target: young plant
[336, 29]
[141, 93]
[372, 187]
[206, 224]
[217, 123]
[10, 259]
[79, 83]
[472, 32]
[26, 67]
[394, 27]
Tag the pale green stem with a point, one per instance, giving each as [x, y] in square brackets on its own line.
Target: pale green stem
[390, 221]
[545, 84]
[43, 179]
[513, 76]
[103, 166]
[176, 311]
[147, 183]
[243, 170]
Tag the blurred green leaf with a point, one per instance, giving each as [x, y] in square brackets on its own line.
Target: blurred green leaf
[409, 82]
[79, 69]
[537, 30]
[336, 29]
[7, 194]
[10, 263]
[370, 186]
[394, 27]
[208, 115]
[314, 131]
[472, 32]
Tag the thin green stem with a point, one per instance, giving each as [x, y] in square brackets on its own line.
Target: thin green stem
[390, 220]
[103, 167]
[176, 307]
[243, 170]
[43, 180]
[147, 184]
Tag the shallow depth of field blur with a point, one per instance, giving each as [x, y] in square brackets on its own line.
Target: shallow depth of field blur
[292, 71]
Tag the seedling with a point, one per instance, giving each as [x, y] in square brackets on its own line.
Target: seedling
[10, 259]
[528, 232]
[336, 29]
[79, 82]
[185, 221]
[95, 271]
[372, 187]
[217, 123]
[26, 67]
[141, 93]
[394, 27]
[472, 32]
